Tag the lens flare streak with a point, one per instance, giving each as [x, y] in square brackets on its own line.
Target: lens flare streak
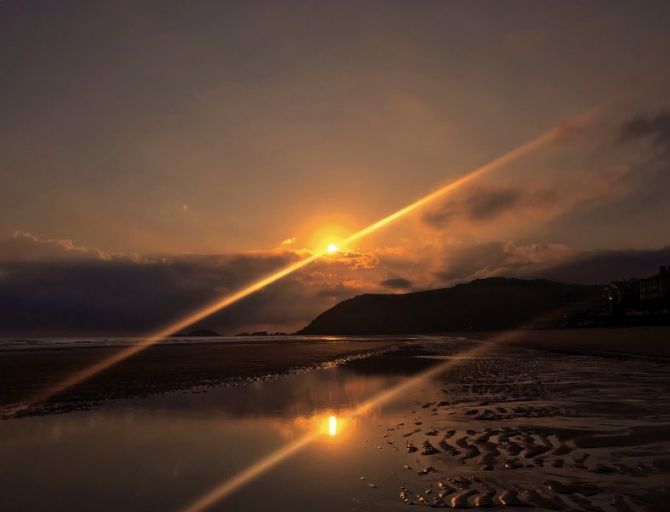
[227, 300]
[332, 426]
[233, 484]
[90, 371]
[250, 473]
[271, 460]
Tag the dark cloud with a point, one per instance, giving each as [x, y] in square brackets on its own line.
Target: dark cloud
[396, 283]
[337, 292]
[486, 203]
[133, 297]
[50, 287]
[548, 261]
[480, 204]
[496, 259]
[598, 267]
[652, 127]
[491, 203]
[56, 287]
[467, 263]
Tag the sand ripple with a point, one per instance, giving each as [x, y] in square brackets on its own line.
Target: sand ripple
[522, 428]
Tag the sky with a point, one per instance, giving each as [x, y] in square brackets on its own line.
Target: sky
[155, 155]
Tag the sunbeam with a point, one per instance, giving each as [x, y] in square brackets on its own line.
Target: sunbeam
[505, 159]
[236, 482]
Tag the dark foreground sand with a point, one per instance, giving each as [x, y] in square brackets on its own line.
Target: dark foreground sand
[505, 426]
[512, 427]
[162, 368]
[190, 365]
[643, 341]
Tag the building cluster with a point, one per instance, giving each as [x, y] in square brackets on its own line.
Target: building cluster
[637, 297]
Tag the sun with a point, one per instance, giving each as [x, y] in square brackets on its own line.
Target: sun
[332, 248]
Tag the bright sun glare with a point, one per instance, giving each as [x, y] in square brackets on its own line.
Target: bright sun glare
[332, 426]
[331, 249]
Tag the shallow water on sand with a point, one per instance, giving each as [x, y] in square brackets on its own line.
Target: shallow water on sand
[161, 453]
[497, 421]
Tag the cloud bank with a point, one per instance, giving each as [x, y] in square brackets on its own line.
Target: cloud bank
[56, 287]
[525, 226]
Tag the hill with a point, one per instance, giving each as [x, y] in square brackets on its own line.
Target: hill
[485, 304]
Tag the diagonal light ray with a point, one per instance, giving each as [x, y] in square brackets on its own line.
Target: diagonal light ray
[268, 462]
[219, 304]
[90, 371]
[231, 485]
[452, 186]
[238, 481]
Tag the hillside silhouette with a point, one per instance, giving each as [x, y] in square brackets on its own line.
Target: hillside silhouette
[484, 304]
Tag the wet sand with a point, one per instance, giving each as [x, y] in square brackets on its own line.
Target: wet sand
[514, 427]
[505, 427]
[190, 364]
[641, 341]
[165, 368]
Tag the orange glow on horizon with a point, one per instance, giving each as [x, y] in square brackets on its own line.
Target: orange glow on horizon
[320, 230]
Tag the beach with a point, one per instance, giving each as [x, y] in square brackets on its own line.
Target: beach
[499, 426]
[29, 368]
[334, 256]
[519, 427]
[622, 341]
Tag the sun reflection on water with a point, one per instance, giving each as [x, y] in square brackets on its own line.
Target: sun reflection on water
[332, 426]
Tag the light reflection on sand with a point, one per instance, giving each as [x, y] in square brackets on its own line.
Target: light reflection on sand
[510, 421]
[332, 426]
[159, 453]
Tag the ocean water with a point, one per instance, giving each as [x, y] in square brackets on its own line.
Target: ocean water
[28, 343]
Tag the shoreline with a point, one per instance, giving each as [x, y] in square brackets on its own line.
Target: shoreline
[163, 368]
[181, 366]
